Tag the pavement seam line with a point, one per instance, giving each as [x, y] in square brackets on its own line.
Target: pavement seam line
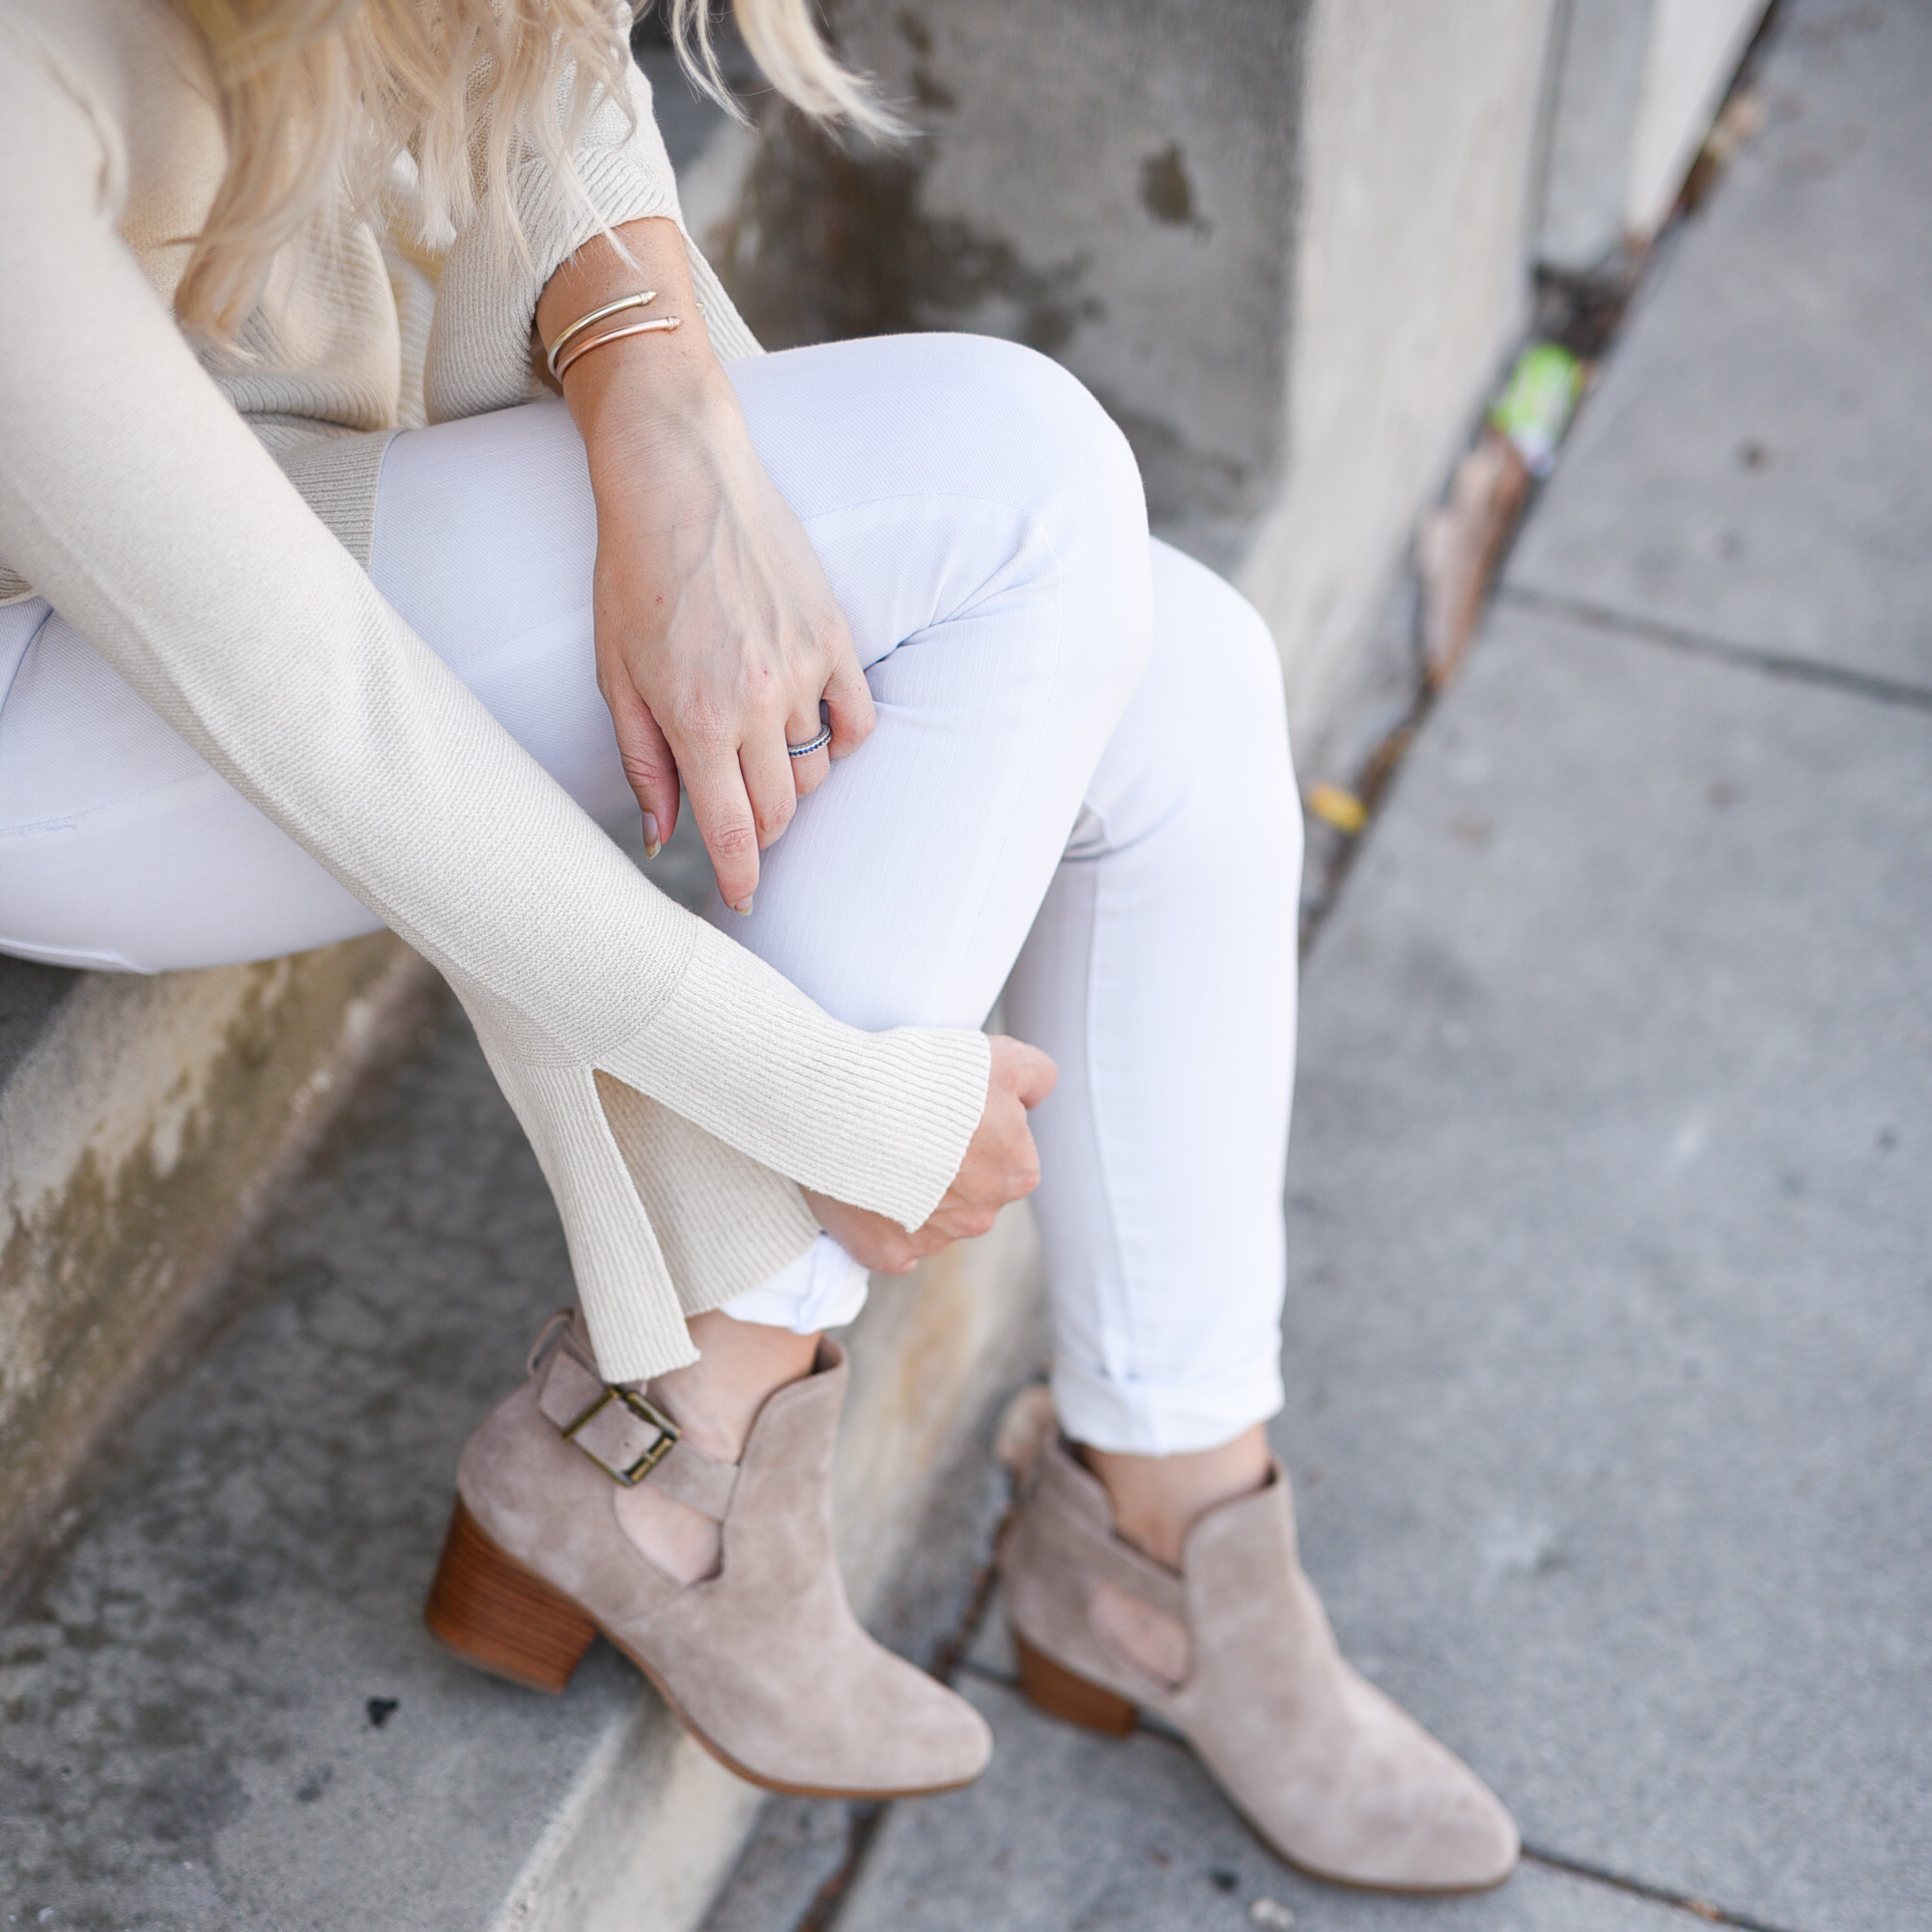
[1658, 1895]
[862, 1826]
[986, 1674]
[863, 1819]
[1723, 650]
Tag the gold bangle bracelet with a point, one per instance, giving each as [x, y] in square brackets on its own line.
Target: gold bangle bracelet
[643, 300]
[664, 322]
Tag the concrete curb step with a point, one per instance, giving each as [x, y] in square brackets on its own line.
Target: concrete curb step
[220, 1708]
[146, 1126]
[653, 1825]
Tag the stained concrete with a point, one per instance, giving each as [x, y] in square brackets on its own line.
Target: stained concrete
[1282, 240]
[189, 1738]
[144, 1124]
[1754, 466]
[1109, 182]
[29, 995]
[222, 1712]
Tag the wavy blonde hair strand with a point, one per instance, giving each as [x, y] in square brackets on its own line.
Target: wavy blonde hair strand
[321, 96]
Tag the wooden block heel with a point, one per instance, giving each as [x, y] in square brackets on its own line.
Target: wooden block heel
[1061, 1695]
[488, 1607]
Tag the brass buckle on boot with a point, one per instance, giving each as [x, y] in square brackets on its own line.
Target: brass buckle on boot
[630, 1474]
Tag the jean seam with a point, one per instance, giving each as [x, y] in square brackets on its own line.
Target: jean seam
[26, 651]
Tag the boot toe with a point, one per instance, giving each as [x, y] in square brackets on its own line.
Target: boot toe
[1333, 1775]
[931, 1738]
[1459, 1838]
[1409, 1815]
[962, 1746]
[1486, 1844]
[879, 1728]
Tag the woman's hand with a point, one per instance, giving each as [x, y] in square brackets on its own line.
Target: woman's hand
[718, 635]
[1000, 1165]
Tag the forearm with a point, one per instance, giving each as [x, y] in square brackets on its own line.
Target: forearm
[631, 398]
[720, 646]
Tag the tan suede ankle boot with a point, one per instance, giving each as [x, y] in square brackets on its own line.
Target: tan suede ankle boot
[1334, 1778]
[764, 1662]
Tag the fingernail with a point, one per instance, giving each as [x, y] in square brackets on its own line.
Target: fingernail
[653, 844]
[744, 905]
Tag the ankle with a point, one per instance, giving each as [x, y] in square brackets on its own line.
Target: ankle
[715, 1401]
[682, 1541]
[1158, 1499]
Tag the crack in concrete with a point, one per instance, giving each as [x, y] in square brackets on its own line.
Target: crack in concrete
[863, 1820]
[862, 1826]
[987, 1675]
[1721, 650]
[1371, 786]
[1658, 1894]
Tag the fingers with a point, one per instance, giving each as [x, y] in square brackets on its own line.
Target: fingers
[809, 772]
[1022, 1171]
[768, 782]
[649, 764]
[1025, 1072]
[848, 699]
[871, 1239]
[743, 802]
[723, 808]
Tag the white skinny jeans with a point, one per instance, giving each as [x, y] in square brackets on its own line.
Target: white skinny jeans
[1115, 841]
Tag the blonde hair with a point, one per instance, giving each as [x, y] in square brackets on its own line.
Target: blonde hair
[318, 95]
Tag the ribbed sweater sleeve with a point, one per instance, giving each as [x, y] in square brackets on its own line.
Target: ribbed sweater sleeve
[138, 501]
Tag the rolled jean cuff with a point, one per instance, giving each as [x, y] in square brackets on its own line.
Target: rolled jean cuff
[825, 1288]
[1146, 1418]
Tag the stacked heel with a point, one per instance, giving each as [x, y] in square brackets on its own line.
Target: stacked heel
[500, 1614]
[1059, 1693]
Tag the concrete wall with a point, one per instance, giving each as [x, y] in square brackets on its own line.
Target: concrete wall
[1419, 139]
[1287, 243]
[1282, 241]
[1694, 49]
[1110, 181]
[1638, 83]
[143, 1126]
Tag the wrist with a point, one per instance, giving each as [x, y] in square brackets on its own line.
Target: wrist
[637, 405]
[671, 373]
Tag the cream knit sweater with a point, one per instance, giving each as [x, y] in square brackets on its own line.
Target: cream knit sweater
[203, 519]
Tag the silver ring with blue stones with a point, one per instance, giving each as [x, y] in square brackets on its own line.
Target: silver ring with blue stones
[812, 744]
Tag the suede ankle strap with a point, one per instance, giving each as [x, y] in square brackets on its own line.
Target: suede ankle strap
[626, 1434]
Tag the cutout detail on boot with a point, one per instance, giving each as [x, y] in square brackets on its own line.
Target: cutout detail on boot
[1148, 1639]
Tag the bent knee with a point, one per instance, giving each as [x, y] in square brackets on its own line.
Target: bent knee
[1044, 445]
[1216, 660]
[1048, 424]
[1207, 619]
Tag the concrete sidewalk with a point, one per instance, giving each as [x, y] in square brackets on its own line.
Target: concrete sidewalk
[1609, 1346]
